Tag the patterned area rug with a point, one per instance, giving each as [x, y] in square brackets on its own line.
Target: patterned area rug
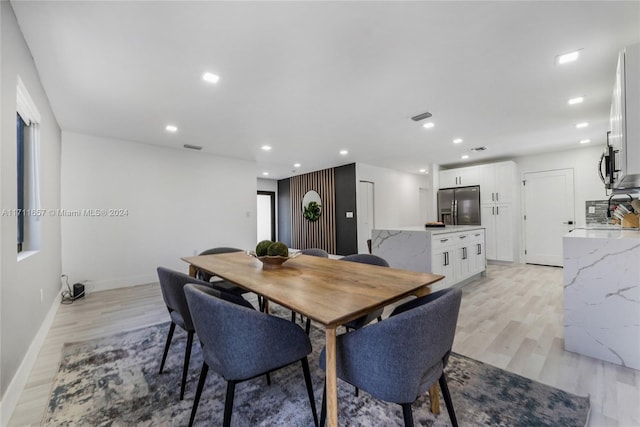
[114, 381]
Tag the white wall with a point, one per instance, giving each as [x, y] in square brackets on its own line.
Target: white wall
[583, 161]
[177, 203]
[22, 313]
[396, 195]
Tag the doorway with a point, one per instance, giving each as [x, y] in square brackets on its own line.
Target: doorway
[365, 215]
[548, 214]
[266, 215]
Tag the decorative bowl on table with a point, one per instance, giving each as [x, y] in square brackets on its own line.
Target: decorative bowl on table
[272, 262]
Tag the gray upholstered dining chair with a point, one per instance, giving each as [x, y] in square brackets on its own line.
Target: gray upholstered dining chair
[208, 276]
[372, 260]
[315, 252]
[243, 344]
[172, 284]
[399, 359]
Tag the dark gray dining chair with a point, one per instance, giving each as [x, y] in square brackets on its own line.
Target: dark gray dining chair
[315, 252]
[399, 359]
[171, 284]
[243, 344]
[207, 277]
[372, 260]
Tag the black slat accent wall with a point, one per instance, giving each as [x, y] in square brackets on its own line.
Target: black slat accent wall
[346, 228]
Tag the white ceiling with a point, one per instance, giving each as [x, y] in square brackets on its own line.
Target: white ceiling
[312, 78]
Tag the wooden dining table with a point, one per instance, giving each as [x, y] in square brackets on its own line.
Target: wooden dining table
[328, 291]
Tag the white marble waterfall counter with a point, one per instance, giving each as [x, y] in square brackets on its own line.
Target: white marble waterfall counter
[602, 295]
[456, 252]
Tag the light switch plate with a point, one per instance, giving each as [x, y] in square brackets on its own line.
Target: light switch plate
[592, 209]
[349, 214]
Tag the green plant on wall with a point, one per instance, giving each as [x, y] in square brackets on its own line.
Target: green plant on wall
[312, 211]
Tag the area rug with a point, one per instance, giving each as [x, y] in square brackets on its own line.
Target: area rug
[114, 381]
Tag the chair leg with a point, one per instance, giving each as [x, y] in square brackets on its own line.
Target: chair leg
[307, 327]
[312, 399]
[323, 408]
[185, 368]
[407, 413]
[196, 400]
[447, 399]
[379, 318]
[357, 391]
[228, 403]
[268, 375]
[293, 316]
[167, 345]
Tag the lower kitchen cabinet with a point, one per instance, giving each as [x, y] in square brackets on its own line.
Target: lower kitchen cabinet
[497, 218]
[456, 252]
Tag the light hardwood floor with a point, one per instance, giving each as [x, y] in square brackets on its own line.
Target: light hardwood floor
[511, 319]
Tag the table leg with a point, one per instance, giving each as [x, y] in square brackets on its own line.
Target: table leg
[332, 381]
[192, 271]
[434, 399]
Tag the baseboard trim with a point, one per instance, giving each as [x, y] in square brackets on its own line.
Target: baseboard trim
[17, 384]
[121, 282]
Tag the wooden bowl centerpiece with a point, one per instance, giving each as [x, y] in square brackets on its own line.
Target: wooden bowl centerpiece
[272, 254]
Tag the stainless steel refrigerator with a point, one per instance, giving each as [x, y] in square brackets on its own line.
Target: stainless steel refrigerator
[459, 206]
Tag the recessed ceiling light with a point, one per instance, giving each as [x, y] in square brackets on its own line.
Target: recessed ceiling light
[210, 77]
[567, 57]
[266, 147]
[423, 170]
[582, 125]
[585, 141]
[265, 173]
[343, 152]
[171, 128]
[574, 101]
[464, 156]
[457, 140]
[296, 165]
[428, 125]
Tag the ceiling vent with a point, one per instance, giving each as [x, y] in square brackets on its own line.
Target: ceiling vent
[421, 116]
[478, 149]
[192, 147]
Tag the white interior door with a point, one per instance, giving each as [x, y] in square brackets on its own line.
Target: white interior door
[365, 215]
[549, 214]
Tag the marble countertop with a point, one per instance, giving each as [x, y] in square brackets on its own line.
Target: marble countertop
[435, 230]
[627, 233]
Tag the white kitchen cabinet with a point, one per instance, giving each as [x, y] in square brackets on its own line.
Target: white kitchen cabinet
[497, 218]
[476, 252]
[498, 182]
[452, 252]
[461, 177]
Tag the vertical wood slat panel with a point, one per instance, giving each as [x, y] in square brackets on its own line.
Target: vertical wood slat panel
[319, 234]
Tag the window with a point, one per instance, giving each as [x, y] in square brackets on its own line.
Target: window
[20, 125]
[28, 212]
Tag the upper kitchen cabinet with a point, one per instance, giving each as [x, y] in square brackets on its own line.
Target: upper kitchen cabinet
[498, 182]
[461, 177]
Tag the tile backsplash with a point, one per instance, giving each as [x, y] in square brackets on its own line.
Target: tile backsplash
[596, 211]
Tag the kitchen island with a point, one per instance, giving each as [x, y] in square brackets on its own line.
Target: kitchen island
[455, 251]
[602, 294]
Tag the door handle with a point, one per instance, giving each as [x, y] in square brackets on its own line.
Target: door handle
[446, 258]
[479, 249]
[497, 197]
[493, 210]
[497, 210]
[568, 222]
[464, 253]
